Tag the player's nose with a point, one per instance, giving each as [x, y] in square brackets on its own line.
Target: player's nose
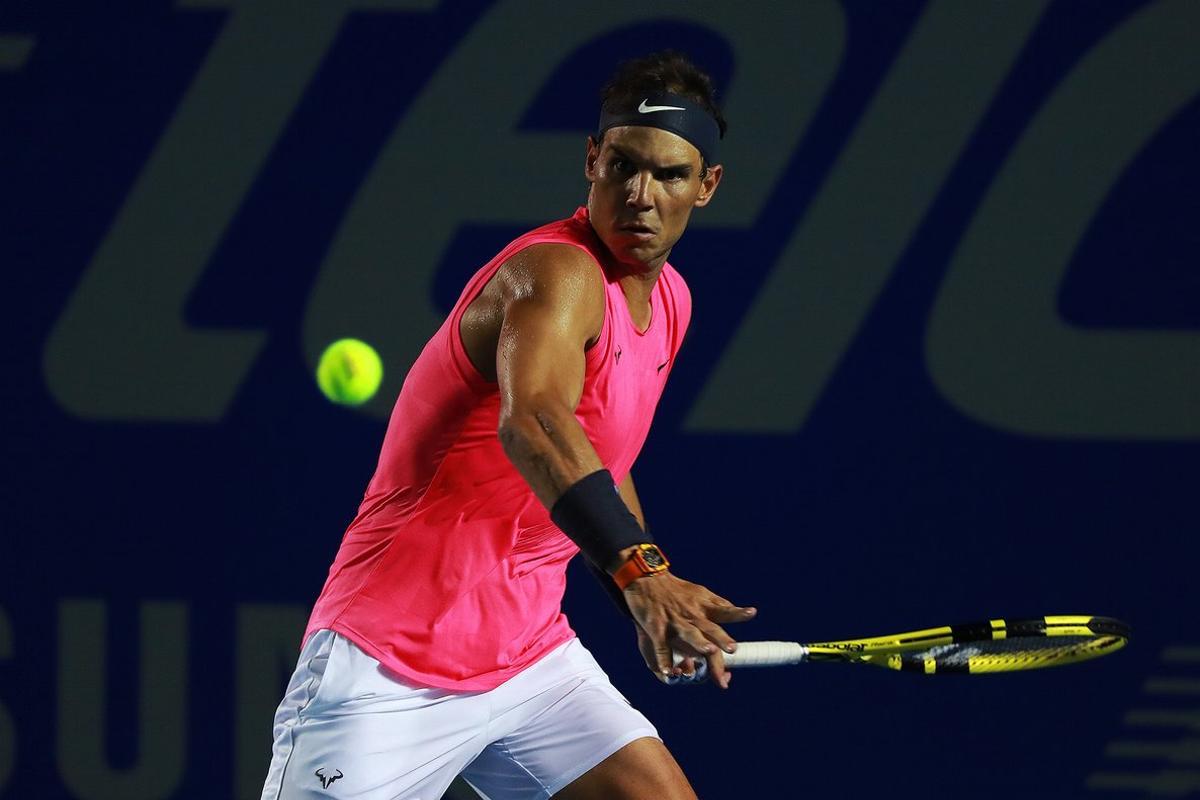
[638, 191]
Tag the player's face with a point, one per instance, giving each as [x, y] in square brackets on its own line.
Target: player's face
[645, 183]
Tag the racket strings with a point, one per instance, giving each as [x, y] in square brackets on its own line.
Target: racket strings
[1012, 653]
[1007, 648]
[992, 645]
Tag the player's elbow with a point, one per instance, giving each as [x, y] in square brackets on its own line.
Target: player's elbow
[512, 433]
[524, 424]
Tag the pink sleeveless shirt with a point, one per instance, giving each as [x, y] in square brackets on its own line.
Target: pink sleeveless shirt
[452, 574]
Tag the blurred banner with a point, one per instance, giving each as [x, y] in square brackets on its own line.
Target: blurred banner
[944, 364]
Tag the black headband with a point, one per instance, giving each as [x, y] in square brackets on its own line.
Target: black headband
[670, 112]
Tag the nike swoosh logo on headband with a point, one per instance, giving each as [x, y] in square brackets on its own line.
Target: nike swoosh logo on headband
[645, 109]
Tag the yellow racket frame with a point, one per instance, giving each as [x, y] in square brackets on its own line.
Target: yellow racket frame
[1093, 637]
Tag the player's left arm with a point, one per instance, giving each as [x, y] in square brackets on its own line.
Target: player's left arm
[629, 495]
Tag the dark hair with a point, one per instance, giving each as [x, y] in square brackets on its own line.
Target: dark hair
[664, 71]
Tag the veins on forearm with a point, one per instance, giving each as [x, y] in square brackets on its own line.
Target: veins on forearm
[542, 455]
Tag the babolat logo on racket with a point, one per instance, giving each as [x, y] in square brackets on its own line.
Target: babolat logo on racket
[849, 647]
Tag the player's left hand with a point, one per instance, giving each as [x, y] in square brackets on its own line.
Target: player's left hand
[674, 615]
[688, 669]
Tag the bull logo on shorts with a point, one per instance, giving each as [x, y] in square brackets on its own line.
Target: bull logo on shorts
[326, 780]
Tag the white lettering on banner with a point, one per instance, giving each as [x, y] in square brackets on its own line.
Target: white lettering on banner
[82, 704]
[265, 651]
[997, 347]
[377, 277]
[8, 731]
[268, 644]
[124, 319]
[845, 248]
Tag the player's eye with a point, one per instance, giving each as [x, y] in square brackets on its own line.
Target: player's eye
[621, 165]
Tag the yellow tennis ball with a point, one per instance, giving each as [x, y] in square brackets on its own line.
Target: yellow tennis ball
[349, 372]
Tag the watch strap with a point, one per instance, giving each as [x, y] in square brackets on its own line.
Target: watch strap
[647, 559]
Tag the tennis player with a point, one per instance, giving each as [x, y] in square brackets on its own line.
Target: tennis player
[438, 645]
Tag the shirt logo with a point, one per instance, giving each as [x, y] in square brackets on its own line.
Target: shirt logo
[618, 354]
[645, 109]
[327, 779]
[660, 366]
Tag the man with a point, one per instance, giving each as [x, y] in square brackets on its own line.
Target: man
[438, 645]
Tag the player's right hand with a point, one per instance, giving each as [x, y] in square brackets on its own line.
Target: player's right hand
[676, 615]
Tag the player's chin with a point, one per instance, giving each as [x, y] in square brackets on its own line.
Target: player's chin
[642, 251]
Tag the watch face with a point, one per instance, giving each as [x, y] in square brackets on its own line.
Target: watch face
[653, 558]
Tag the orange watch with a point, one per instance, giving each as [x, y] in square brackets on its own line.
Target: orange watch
[647, 559]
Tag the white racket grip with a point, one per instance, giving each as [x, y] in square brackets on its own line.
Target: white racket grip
[766, 654]
[699, 676]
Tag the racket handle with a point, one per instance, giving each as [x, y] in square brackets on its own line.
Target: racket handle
[749, 654]
[766, 654]
[699, 676]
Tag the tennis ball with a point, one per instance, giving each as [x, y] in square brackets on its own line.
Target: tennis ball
[349, 372]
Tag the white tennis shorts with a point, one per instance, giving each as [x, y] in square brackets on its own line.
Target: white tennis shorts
[348, 728]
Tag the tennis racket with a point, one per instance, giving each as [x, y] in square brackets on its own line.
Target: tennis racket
[994, 645]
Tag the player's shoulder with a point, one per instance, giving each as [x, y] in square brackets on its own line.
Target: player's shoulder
[672, 275]
[553, 269]
[677, 288]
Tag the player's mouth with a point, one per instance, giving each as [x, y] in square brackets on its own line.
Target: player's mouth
[638, 230]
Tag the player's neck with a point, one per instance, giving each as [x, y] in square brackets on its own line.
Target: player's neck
[638, 281]
[637, 288]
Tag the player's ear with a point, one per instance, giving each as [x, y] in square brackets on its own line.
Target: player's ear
[708, 185]
[589, 163]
